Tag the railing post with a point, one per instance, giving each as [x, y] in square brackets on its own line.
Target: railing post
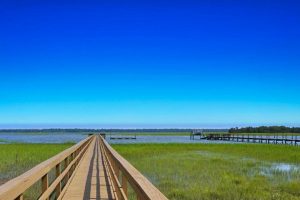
[76, 154]
[58, 187]
[117, 171]
[66, 165]
[138, 197]
[73, 158]
[114, 166]
[45, 183]
[20, 197]
[124, 185]
[71, 168]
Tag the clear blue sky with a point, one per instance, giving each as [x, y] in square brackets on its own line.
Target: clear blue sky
[149, 63]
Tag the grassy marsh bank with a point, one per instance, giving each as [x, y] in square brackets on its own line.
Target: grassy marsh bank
[16, 159]
[219, 171]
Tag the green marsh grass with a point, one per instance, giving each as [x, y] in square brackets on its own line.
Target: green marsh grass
[3, 141]
[217, 171]
[16, 159]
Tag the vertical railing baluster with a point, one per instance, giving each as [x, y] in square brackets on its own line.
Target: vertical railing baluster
[58, 187]
[138, 197]
[69, 162]
[66, 162]
[45, 184]
[124, 185]
[20, 197]
[117, 171]
[73, 166]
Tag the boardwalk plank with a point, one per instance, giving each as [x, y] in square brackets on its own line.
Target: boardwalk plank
[90, 180]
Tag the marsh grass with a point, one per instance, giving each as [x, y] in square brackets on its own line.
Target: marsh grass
[3, 141]
[16, 159]
[217, 171]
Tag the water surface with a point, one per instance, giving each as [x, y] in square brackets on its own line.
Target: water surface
[41, 138]
[76, 137]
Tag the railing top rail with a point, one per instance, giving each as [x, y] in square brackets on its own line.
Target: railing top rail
[146, 188]
[18, 185]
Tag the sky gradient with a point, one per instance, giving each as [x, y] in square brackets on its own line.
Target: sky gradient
[149, 64]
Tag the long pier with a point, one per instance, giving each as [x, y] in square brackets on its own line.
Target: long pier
[91, 169]
[120, 136]
[268, 139]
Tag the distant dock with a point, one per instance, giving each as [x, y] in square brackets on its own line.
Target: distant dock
[197, 134]
[267, 139]
[122, 137]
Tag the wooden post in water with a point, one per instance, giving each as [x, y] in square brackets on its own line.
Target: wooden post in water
[260, 138]
[285, 138]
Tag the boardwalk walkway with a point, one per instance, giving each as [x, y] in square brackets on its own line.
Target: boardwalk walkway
[90, 180]
[91, 169]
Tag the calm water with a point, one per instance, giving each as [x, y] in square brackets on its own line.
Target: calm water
[161, 139]
[43, 138]
[76, 137]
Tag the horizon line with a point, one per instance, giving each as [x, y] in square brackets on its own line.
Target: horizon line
[137, 126]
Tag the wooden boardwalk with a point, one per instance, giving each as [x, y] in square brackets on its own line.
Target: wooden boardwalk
[90, 180]
[91, 169]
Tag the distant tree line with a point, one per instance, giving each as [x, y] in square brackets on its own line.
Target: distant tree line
[52, 130]
[81, 130]
[266, 129]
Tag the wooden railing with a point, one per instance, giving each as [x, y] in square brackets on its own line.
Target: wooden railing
[122, 172]
[64, 165]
